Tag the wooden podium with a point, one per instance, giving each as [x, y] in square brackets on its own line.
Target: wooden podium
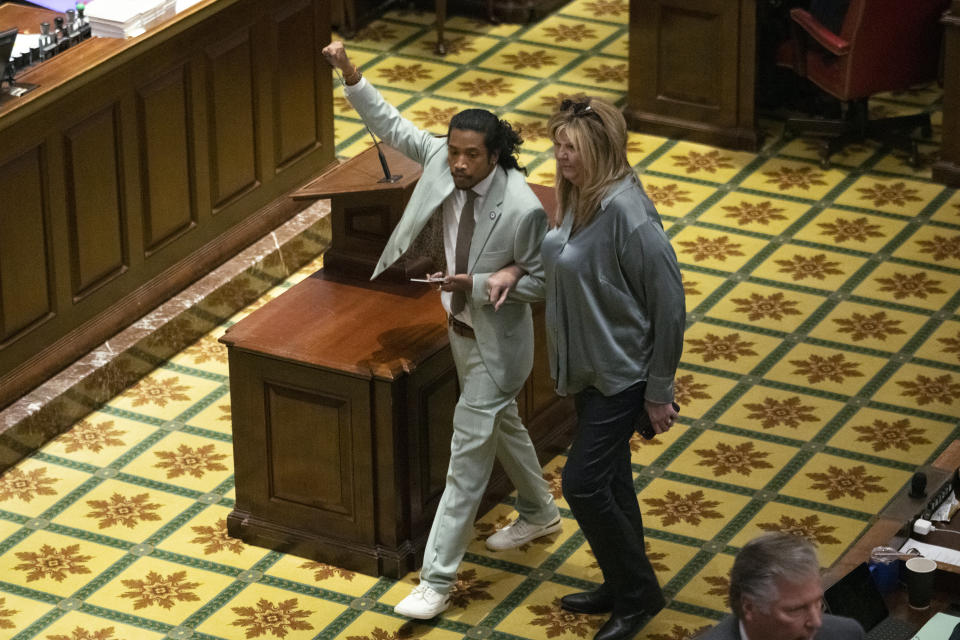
[343, 393]
[364, 209]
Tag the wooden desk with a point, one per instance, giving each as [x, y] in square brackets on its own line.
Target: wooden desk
[140, 164]
[886, 528]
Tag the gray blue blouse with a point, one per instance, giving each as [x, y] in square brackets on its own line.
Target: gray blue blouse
[615, 304]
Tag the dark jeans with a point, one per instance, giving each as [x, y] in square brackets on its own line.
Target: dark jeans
[598, 486]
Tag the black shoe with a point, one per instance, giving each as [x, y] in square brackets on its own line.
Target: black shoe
[626, 626]
[622, 627]
[598, 601]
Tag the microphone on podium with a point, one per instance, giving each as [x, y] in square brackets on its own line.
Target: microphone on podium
[387, 176]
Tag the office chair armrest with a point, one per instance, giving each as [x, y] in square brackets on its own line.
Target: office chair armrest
[823, 36]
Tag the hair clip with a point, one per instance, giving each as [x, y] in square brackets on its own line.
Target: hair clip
[580, 109]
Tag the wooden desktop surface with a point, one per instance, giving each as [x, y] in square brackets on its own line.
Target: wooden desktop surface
[377, 326]
[26, 19]
[88, 59]
[362, 173]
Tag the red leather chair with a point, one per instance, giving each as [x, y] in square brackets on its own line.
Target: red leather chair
[883, 45]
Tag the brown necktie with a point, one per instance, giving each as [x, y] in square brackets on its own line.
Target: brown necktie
[464, 234]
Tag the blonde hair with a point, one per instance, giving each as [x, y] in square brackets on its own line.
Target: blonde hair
[598, 132]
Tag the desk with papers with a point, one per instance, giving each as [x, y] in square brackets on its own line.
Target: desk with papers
[139, 164]
[889, 528]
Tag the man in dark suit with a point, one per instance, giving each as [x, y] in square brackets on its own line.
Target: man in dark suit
[776, 594]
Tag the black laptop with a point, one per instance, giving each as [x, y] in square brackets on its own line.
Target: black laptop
[8, 39]
[856, 596]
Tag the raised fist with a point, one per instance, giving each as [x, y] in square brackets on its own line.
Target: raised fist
[336, 55]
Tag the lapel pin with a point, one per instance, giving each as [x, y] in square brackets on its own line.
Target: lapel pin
[493, 214]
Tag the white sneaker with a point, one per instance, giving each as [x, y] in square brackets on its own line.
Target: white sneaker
[423, 603]
[520, 532]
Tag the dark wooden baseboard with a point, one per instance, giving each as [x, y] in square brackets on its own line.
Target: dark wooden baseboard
[350, 16]
[517, 11]
[947, 173]
[747, 139]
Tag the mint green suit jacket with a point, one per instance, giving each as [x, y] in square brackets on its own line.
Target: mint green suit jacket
[510, 226]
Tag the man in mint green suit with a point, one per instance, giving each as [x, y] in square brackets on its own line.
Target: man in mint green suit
[480, 202]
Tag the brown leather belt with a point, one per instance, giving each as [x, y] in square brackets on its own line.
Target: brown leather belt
[461, 328]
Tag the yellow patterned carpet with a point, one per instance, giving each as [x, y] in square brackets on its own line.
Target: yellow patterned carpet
[822, 363]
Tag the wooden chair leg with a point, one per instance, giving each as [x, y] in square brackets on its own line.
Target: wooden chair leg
[491, 14]
[441, 11]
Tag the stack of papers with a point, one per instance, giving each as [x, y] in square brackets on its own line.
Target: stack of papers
[185, 4]
[23, 44]
[126, 18]
[934, 552]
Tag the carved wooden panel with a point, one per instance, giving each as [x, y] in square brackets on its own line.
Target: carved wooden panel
[295, 92]
[309, 458]
[307, 447]
[92, 159]
[437, 402]
[364, 225]
[368, 223]
[166, 161]
[691, 42]
[697, 79]
[231, 113]
[361, 230]
[25, 277]
[947, 167]
[428, 404]
[685, 36]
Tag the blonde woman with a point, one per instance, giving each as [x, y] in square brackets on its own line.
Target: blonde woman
[615, 320]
